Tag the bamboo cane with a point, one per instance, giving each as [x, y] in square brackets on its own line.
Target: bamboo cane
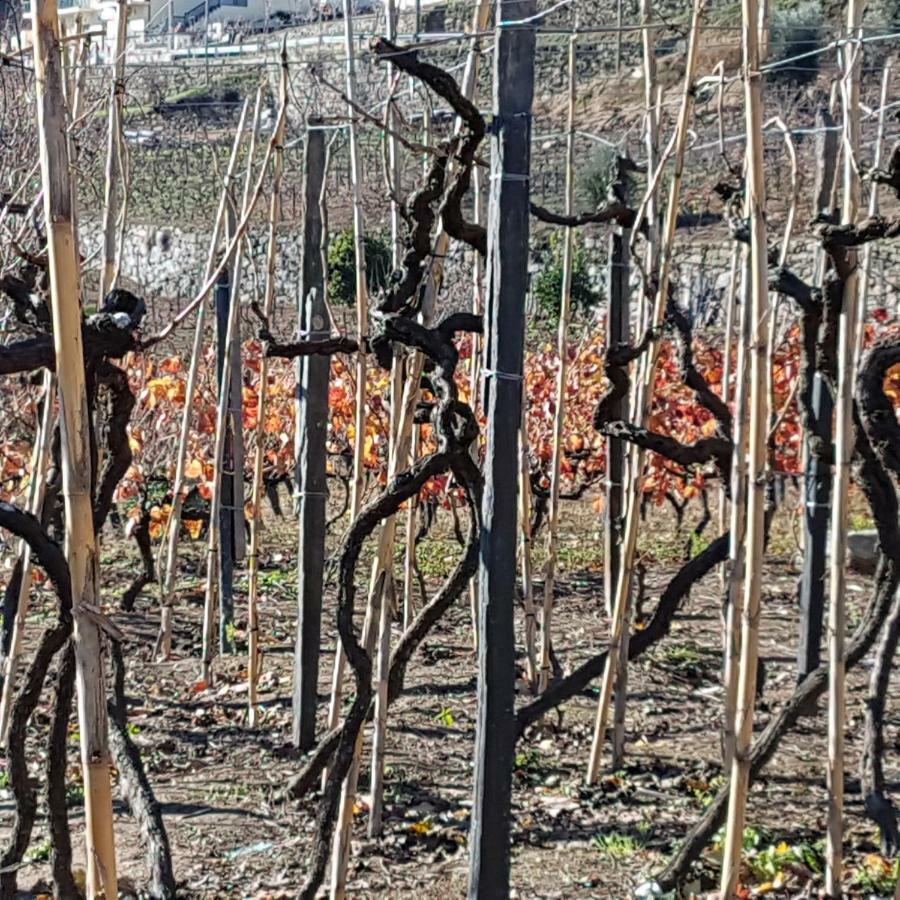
[236, 239]
[629, 541]
[409, 556]
[111, 201]
[775, 300]
[475, 394]
[362, 299]
[409, 553]
[481, 17]
[75, 420]
[164, 640]
[399, 449]
[340, 848]
[759, 428]
[565, 310]
[253, 653]
[382, 583]
[737, 520]
[76, 73]
[848, 339]
[362, 327]
[653, 106]
[232, 539]
[213, 548]
[652, 101]
[652, 113]
[68, 58]
[866, 266]
[36, 490]
[737, 523]
[480, 20]
[341, 844]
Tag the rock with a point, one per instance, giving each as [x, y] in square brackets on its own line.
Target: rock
[862, 551]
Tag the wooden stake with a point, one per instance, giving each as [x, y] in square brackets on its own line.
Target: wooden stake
[843, 454]
[312, 427]
[759, 428]
[635, 486]
[562, 351]
[866, 265]
[173, 526]
[489, 832]
[730, 308]
[75, 421]
[112, 201]
[215, 550]
[253, 651]
[36, 490]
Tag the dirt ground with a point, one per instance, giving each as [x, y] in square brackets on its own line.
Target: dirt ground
[218, 780]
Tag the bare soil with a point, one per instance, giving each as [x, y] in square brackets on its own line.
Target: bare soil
[218, 780]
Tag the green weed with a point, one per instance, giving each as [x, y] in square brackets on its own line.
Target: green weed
[445, 717]
[617, 846]
[40, 852]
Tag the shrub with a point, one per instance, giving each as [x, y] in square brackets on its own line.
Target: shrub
[796, 28]
[883, 14]
[342, 266]
[596, 176]
[547, 284]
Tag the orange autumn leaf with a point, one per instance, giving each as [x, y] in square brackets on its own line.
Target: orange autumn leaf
[194, 469]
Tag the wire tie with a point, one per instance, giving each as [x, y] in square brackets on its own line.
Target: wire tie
[305, 332]
[493, 373]
[510, 176]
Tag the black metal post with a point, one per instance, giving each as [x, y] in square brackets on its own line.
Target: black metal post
[508, 232]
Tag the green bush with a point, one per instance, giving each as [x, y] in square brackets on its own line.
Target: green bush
[342, 266]
[547, 284]
[796, 28]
